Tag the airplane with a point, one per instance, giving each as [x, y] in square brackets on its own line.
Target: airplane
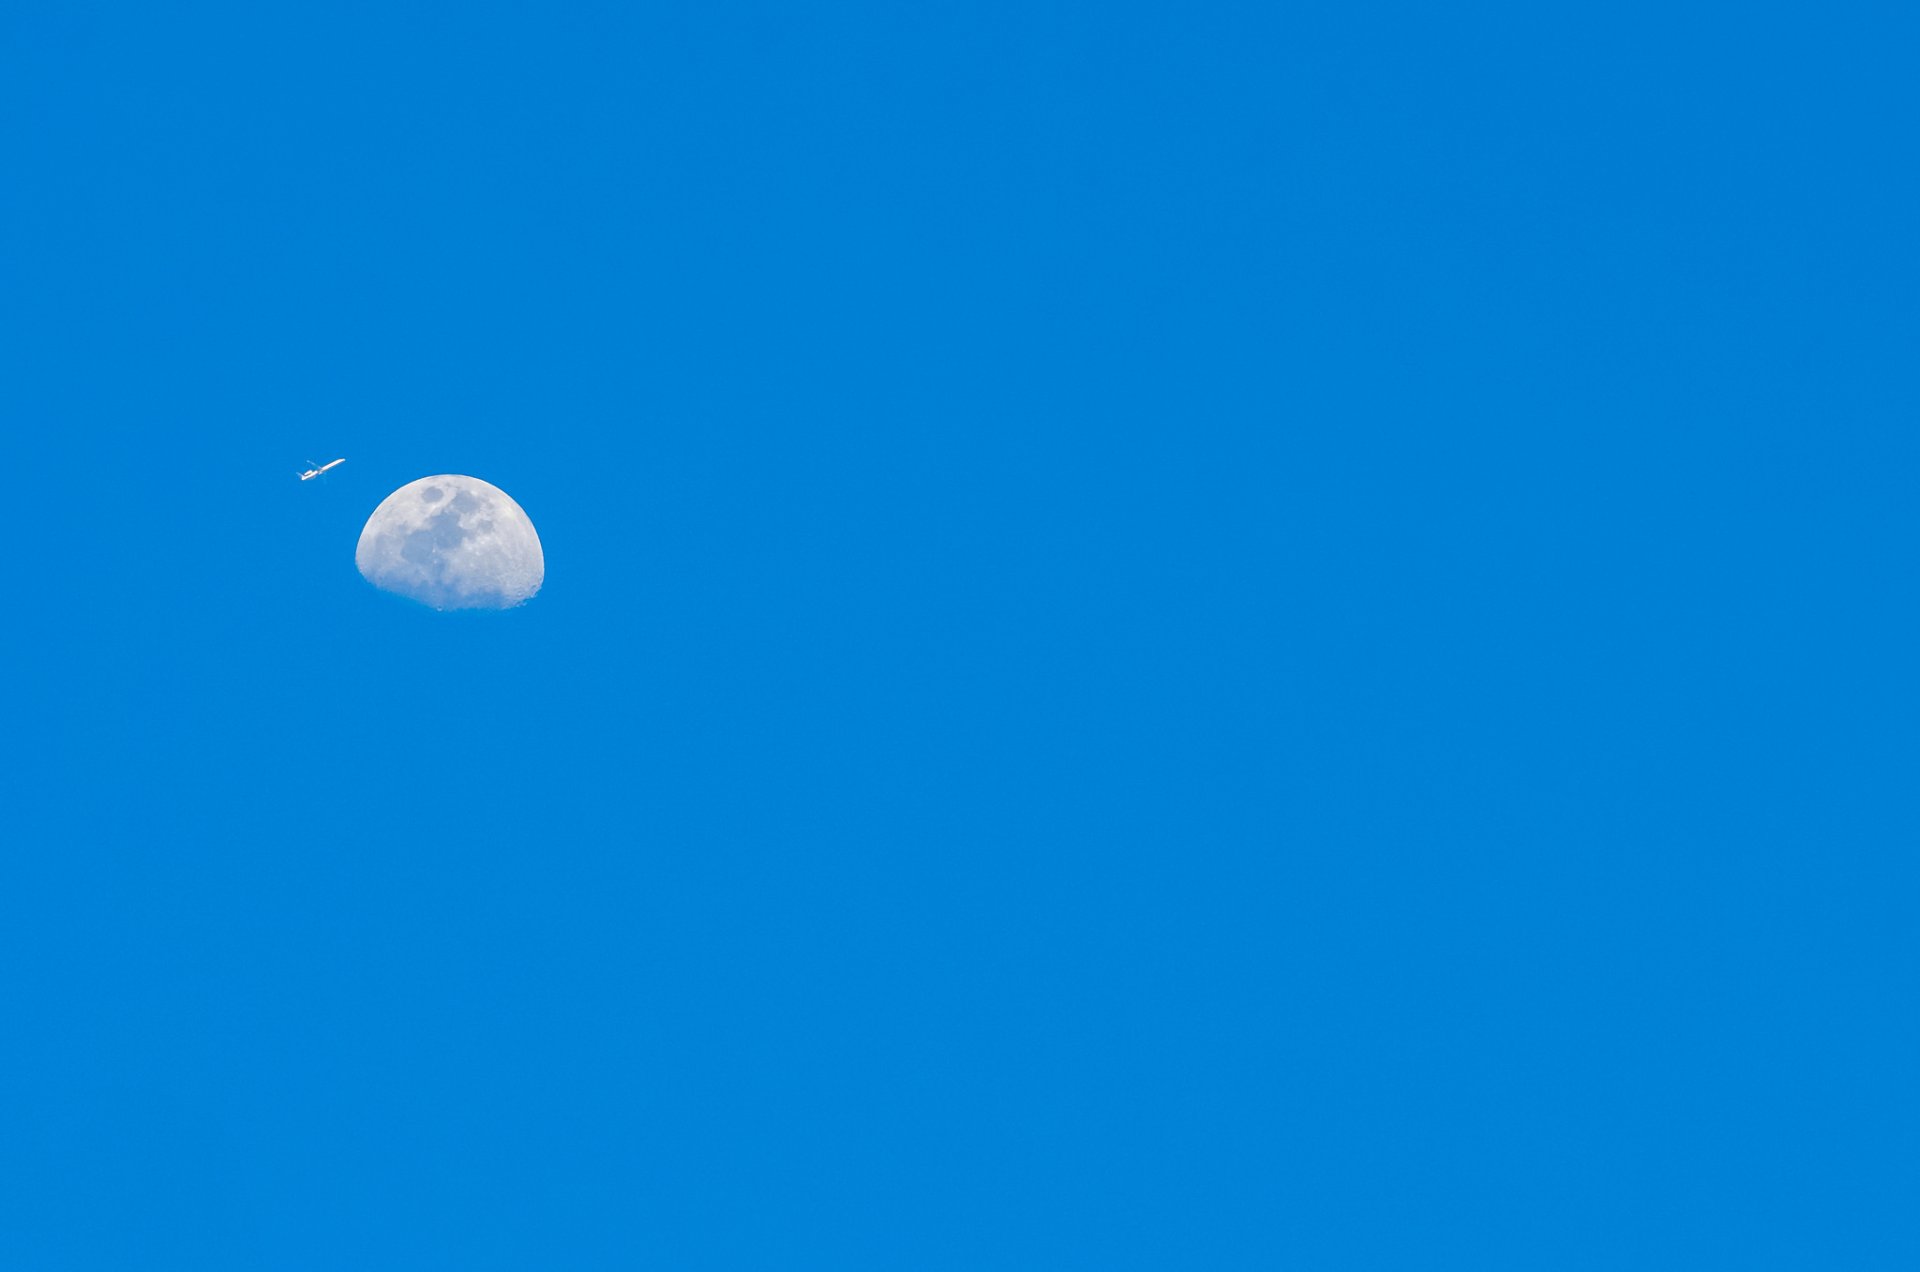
[313, 472]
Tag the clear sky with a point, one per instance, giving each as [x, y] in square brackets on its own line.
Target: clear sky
[1216, 636]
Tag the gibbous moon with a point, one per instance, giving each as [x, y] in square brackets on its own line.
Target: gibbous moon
[452, 542]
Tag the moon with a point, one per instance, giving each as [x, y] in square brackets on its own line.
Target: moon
[452, 542]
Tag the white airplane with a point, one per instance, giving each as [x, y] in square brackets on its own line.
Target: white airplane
[311, 472]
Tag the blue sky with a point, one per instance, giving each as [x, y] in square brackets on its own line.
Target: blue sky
[1260, 636]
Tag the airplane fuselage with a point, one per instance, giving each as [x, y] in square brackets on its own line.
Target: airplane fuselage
[311, 473]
